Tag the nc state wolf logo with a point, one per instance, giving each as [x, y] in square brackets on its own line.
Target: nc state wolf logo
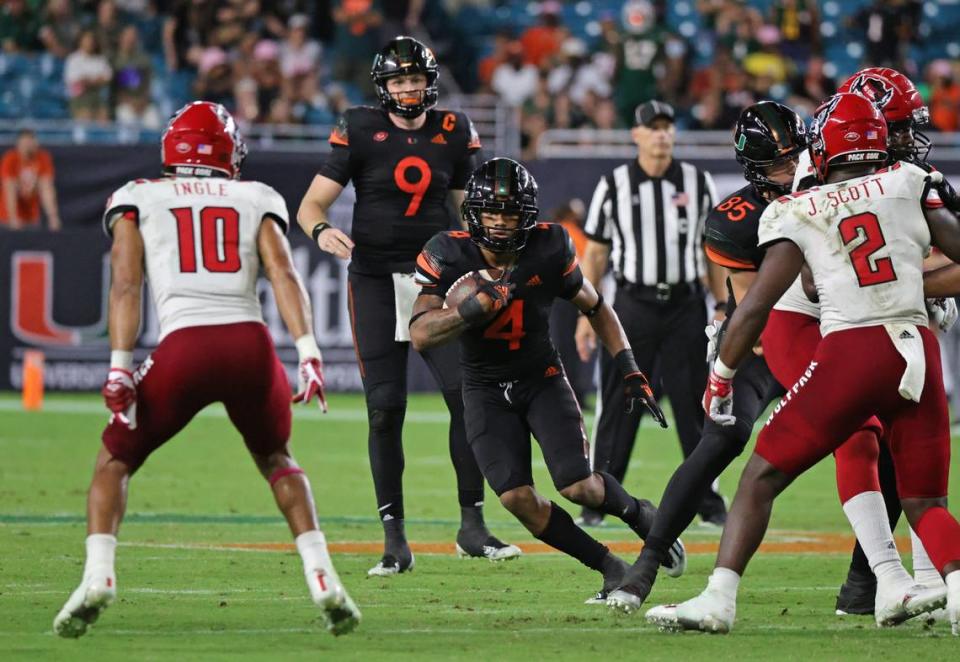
[875, 89]
[31, 300]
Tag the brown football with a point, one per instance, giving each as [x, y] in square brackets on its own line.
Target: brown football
[467, 284]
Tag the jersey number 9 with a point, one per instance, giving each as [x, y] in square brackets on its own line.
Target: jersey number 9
[416, 188]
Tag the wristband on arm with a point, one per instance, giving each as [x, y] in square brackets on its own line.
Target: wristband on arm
[626, 363]
[318, 228]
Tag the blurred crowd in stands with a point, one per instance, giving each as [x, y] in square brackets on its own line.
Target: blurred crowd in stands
[560, 64]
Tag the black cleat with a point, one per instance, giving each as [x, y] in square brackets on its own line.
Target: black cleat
[480, 544]
[614, 570]
[857, 595]
[635, 587]
[590, 517]
[390, 565]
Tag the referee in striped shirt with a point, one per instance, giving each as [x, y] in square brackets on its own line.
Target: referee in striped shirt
[646, 217]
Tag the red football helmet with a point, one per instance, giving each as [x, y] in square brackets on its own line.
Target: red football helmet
[202, 137]
[847, 129]
[901, 104]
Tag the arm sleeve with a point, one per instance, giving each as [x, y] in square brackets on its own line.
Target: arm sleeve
[431, 274]
[571, 279]
[338, 165]
[274, 207]
[122, 204]
[598, 224]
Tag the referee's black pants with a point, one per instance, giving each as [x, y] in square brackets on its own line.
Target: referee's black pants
[670, 334]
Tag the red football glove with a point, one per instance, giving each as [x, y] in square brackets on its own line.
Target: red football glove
[311, 382]
[120, 396]
[718, 399]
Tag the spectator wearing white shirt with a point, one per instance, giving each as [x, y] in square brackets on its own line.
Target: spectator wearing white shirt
[513, 81]
[87, 75]
[577, 75]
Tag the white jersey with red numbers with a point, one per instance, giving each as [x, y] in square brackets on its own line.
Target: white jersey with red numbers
[864, 240]
[200, 245]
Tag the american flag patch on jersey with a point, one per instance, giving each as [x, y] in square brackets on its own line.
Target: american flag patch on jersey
[204, 149]
[680, 199]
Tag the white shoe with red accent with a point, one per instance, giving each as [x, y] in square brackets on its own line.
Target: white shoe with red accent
[896, 605]
[85, 604]
[339, 610]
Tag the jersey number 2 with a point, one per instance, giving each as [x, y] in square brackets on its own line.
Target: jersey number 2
[219, 239]
[868, 226]
[508, 325]
[418, 188]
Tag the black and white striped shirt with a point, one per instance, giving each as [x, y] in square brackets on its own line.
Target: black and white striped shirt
[654, 224]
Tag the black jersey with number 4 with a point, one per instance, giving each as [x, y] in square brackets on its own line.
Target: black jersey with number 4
[402, 179]
[730, 231]
[516, 343]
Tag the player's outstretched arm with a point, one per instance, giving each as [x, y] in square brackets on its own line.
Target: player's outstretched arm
[294, 306]
[605, 323]
[313, 220]
[944, 231]
[779, 269]
[126, 284]
[593, 265]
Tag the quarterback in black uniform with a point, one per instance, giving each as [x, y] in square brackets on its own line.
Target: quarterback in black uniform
[768, 140]
[406, 160]
[514, 383]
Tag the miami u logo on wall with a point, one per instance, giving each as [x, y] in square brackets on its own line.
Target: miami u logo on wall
[31, 302]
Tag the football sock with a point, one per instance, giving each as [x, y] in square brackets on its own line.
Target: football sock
[923, 570]
[385, 447]
[395, 540]
[562, 534]
[724, 581]
[868, 517]
[618, 502]
[101, 552]
[940, 534]
[471, 517]
[312, 546]
[469, 477]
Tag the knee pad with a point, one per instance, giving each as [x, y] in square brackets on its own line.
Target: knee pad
[385, 420]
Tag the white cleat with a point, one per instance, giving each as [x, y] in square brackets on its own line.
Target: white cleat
[389, 565]
[492, 552]
[953, 602]
[676, 562]
[339, 611]
[894, 606]
[83, 607]
[625, 601]
[710, 612]
[664, 617]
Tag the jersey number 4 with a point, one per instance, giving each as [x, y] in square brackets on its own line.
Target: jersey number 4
[508, 325]
[415, 188]
[869, 272]
[219, 239]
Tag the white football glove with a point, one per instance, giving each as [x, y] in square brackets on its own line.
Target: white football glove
[943, 312]
[120, 395]
[310, 373]
[712, 331]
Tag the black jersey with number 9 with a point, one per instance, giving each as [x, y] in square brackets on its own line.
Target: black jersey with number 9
[402, 179]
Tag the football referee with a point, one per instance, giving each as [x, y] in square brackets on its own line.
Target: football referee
[646, 217]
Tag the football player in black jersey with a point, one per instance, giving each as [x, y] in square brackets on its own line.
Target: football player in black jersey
[514, 383]
[768, 140]
[407, 160]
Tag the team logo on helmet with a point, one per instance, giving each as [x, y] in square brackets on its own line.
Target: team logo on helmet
[879, 91]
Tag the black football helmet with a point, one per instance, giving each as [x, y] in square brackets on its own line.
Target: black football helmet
[502, 186]
[402, 56]
[768, 133]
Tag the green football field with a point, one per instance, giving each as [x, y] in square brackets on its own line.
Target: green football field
[205, 569]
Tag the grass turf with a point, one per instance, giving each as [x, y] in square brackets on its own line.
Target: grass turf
[183, 593]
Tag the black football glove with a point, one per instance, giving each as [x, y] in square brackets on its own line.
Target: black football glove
[636, 388]
[475, 313]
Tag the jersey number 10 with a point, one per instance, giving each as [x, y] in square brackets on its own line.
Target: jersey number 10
[219, 239]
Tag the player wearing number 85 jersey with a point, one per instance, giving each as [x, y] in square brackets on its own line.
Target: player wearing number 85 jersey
[201, 236]
[514, 383]
[406, 160]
